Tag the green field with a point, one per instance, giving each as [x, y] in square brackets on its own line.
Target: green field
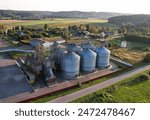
[127, 91]
[52, 22]
[135, 45]
[131, 44]
[104, 24]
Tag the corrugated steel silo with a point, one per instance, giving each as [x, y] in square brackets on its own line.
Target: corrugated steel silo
[60, 54]
[70, 65]
[73, 47]
[88, 60]
[103, 57]
[88, 45]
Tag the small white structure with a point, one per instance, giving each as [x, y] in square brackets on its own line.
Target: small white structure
[102, 35]
[37, 41]
[50, 43]
[47, 44]
[6, 31]
[19, 28]
[123, 44]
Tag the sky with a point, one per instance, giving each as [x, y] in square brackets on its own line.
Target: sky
[120, 6]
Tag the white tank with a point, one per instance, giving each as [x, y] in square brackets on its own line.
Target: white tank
[124, 44]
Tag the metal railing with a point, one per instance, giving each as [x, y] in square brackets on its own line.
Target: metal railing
[2, 50]
[121, 61]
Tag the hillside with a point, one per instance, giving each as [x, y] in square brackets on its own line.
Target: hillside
[142, 19]
[11, 14]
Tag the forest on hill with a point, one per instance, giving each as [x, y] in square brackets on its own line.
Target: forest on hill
[138, 20]
[20, 15]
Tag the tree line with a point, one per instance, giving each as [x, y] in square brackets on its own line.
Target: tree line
[21, 15]
[138, 20]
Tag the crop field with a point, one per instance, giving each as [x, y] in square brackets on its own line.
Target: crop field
[129, 55]
[51, 22]
[11, 21]
[134, 53]
[128, 91]
[104, 24]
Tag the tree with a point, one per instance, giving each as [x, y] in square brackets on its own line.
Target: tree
[75, 28]
[87, 27]
[2, 28]
[144, 77]
[17, 28]
[46, 27]
[122, 29]
[66, 34]
[25, 37]
[82, 27]
[147, 58]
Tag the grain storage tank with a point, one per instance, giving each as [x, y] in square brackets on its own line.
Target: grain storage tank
[60, 53]
[88, 60]
[73, 47]
[88, 45]
[103, 57]
[70, 65]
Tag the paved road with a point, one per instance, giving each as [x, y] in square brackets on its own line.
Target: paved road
[86, 91]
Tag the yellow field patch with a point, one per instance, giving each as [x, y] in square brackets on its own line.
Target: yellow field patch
[129, 55]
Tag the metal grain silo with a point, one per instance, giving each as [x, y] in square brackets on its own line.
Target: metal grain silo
[70, 65]
[103, 57]
[60, 54]
[73, 47]
[88, 60]
[88, 45]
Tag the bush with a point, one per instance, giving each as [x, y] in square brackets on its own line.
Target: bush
[37, 35]
[147, 58]
[25, 37]
[103, 97]
[147, 49]
[148, 73]
[140, 78]
[144, 77]
[113, 88]
[79, 84]
[45, 34]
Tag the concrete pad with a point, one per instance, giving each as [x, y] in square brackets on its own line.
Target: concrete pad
[12, 80]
